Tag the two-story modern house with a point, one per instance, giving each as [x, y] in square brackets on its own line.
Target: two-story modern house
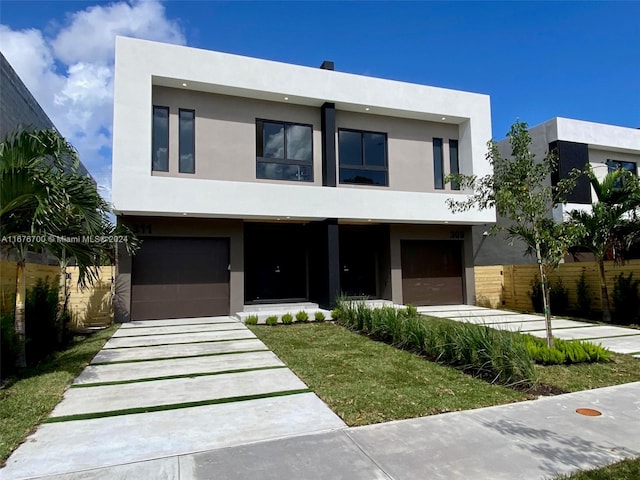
[576, 143]
[251, 181]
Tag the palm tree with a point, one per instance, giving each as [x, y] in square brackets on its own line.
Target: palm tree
[611, 228]
[43, 199]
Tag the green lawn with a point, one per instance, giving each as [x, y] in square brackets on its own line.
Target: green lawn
[625, 470]
[366, 382]
[25, 400]
[585, 376]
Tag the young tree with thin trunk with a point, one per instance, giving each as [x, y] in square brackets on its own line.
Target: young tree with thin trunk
[521, 192]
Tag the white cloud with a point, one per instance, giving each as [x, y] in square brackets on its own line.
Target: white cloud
[70, 72]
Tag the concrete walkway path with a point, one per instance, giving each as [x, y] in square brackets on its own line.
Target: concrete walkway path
[165, 388]
[616, 339]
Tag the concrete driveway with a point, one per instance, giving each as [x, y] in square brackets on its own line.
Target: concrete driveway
[616, 339]
[165, 388]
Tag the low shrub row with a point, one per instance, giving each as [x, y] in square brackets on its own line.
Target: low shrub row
[287, 318]
[497, 356]
[565, 352]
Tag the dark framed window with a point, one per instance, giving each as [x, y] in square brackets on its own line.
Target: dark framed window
[160, 139]
[454, 163]
[284, 151]
[438, 164]
[187, 141]
[616, 164]
[363, 157]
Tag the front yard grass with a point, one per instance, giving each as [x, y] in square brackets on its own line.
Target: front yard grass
[625, 470]
[27, 398]
[366, 382]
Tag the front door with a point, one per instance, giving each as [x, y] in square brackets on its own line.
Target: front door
[275, 262]
[358, 261]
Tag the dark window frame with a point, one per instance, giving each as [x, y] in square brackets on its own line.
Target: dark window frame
[281, 161]
[438, 178]
[454, 164]
[363, 165]
[613, 165]
[153, 137]
[193, 140]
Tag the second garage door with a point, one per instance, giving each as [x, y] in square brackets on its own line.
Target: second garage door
[432, 272]
[179, 278]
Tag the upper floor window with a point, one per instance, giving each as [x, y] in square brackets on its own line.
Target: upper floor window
[363, 157]
[438, 164]
[187, 141]
[616, 164]
[454, 164]
[160, 140]
[284, 151]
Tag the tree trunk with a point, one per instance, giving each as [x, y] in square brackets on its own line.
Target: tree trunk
[545, 297]
[62, 303]
[604, 293]
[19, 315]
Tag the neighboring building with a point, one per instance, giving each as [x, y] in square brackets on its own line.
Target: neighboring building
[252, 181]
[19, 110]
[577, 143]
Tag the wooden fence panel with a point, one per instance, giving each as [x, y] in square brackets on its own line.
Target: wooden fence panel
[515, 282]
[89, 307]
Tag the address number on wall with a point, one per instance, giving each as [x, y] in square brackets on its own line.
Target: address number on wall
[457, 234]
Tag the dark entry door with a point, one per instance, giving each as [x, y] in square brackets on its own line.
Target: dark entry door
[180, 277]
[358, 261]
[432, 272]
[275, 262]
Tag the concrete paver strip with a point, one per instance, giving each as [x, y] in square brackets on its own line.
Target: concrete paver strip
[205, 327]
[109, 398]
[178, 321]
[620, 344]
[178, 350]
[179, 338]
[176, 366]
[63, 447]
[597, 332]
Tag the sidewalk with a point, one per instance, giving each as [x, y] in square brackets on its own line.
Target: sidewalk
[530, 440]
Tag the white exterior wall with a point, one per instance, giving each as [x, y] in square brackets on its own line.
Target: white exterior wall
[141, 64]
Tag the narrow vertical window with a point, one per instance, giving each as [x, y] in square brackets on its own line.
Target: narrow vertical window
[160, 139]
[187, 141]
[454, 164]
[438, 167]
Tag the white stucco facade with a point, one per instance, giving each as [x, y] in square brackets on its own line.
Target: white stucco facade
[141, 65]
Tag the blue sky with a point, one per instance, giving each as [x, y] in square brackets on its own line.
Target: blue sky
[537, 60]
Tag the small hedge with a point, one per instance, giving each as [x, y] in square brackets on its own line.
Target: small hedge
[272, 320]
[319, 317]
[251, 320]
[302, 316]
[287, 319]
[565, 352]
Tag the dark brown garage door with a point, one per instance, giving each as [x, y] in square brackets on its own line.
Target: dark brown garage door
[180, 277]
[432, 272]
